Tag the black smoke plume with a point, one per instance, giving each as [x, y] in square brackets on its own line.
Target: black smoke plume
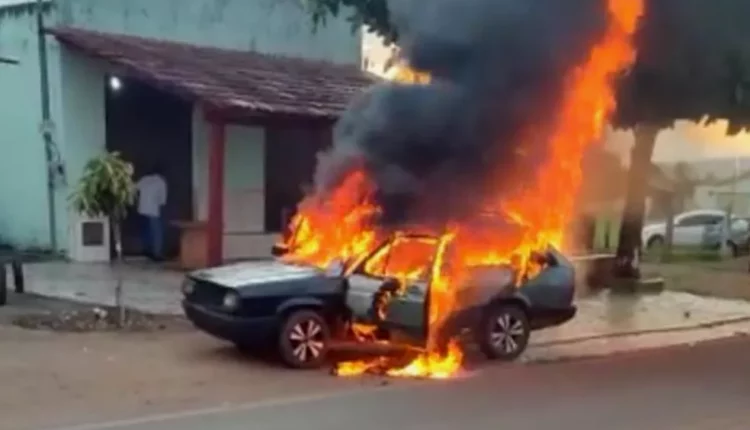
[498, 67]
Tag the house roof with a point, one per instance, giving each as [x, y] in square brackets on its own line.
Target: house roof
[226, 80]
[4, 3]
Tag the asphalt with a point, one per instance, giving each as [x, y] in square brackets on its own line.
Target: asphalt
[706, 386]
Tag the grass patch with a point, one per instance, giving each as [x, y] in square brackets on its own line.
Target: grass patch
[682, 256]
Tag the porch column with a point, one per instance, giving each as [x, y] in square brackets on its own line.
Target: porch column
[215, 236]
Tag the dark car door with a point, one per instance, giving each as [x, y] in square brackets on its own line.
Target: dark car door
[408, 261]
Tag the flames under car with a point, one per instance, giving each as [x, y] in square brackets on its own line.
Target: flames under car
[303, 312]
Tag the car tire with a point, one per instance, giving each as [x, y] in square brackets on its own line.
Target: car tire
[304, 340]
[734, 249]
[505, 331]
[656, 242]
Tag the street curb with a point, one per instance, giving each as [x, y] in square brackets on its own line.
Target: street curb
[613, 354]
[636, 333]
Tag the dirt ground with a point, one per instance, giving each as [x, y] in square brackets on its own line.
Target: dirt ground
[725, 279]
[50, 380]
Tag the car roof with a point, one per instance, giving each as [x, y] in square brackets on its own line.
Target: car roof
[718, 212]
[491, 219]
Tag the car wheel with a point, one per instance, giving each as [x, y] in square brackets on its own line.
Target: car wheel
[734, 249]
[505, 332]
[303, 340]
[655, 243]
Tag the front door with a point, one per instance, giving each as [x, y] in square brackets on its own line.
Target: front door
[404, 261]
[148, 126]
[291, 157]
[691, 229]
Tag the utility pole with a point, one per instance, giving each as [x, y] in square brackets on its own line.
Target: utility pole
[47, 126]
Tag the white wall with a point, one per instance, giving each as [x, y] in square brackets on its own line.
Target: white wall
[82, 126]
[719, 197]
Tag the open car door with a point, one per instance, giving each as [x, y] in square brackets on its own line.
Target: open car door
[390, 287]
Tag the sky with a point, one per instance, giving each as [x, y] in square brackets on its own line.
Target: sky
[687, 142]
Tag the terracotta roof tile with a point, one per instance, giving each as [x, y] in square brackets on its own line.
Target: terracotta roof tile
[225, 79]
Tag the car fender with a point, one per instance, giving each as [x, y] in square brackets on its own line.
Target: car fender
[299, 302]
[511, 295]
[473, 315]
[650, 235]
[650, 231]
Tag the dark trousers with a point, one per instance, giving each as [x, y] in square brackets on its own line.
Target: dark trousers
[152, 236]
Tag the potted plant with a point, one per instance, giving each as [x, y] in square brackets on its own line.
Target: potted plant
[106, 189]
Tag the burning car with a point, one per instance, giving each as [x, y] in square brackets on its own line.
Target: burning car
[470, 132]
[304, 311]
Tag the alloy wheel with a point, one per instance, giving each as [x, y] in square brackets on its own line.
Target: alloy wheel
[307, 340]
[504, 333]
[507, 334]
[303, 339]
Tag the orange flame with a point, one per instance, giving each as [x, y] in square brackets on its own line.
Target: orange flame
[340, 227]
[401, 72]
[336, 226]
[433, 365]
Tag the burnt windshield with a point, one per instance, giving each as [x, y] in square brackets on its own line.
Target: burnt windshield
[406, 258]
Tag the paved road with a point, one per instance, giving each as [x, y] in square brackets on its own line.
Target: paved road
[704, 387]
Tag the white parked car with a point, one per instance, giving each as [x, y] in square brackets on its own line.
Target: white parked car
[699, 228]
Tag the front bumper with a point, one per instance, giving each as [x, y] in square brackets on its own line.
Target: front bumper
[234, 328]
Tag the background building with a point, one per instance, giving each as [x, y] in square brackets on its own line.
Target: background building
[164, 81]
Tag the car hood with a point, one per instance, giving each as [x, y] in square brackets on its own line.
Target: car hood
[254, 273]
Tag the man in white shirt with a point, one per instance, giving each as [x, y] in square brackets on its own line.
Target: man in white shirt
[152, 196]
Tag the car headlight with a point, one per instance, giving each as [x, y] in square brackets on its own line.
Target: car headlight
[188, 286]
[231, 301]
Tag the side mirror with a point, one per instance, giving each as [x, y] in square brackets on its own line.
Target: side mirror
[336, 268]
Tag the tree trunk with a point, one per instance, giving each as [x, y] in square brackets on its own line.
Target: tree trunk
[629, 246]
[117, 232]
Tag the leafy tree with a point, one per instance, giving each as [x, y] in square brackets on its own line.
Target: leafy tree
[373, 14]
[693, 64]
[680, 74]
[106, 189]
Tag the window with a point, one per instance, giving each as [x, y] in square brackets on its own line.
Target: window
[406, 258]
[700, 220]
[739, 224]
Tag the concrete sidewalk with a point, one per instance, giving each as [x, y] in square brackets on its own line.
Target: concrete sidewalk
[153, 289]
[146, 287]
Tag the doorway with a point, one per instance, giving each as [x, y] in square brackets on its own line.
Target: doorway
[291, 158]
[148, 126]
